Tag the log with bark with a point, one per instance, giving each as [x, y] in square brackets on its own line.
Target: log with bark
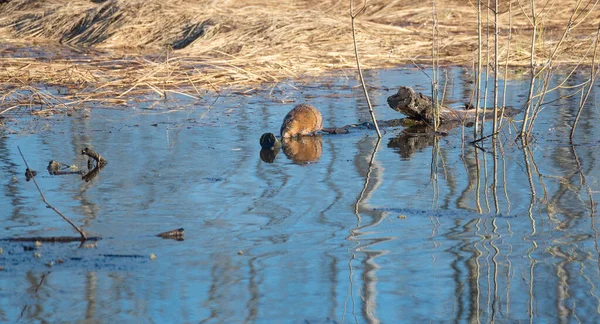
[418, 106]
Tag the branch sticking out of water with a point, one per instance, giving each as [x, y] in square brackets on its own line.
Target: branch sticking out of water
[94, 155]
[81, 232]
[353, 15]
[591, 81]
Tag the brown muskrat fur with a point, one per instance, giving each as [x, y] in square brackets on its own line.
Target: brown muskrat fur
[304, 119]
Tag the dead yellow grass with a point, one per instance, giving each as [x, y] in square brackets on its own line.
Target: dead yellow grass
[127, 47]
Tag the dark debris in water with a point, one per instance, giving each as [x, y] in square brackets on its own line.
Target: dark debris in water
[209, 179]
[51, 239]
[176, 234]
[443, 213]
[326, 320]
[29, 256]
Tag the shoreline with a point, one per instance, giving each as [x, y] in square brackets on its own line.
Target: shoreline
[118, 48]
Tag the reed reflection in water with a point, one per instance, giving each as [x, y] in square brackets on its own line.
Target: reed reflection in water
[412, 228]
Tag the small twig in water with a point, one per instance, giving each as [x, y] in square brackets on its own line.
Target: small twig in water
[481, 139]
[41, 281]
[81, 232]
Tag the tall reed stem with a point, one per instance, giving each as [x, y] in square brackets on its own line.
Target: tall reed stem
[593, 74]
[434, 67]
[533, 70]
[506, 62]
[353, 15]
[495, 123]
[478, 86]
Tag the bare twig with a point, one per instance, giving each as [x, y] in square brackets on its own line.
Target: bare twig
[482, 138]
[81, 232]
[532, 111]
[41, 281]
[435, 67]
[496, 66]
[532, 66]
[353, 15]
[506, 62]
[478, 83]
[487, 66]
[592, 80]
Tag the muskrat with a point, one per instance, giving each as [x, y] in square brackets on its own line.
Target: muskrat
[304, 119]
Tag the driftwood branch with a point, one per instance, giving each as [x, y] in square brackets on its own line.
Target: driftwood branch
[100, 163]
[94, 155]
[58, 168]
[418, 106]
[52, 239]
[81, 232]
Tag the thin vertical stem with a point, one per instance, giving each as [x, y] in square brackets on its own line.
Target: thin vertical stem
[506, 62]
[487, 66]
[495, 123]
[434, 68]
[533, 70]
[591, 81]
[362, 79]
[478, 86]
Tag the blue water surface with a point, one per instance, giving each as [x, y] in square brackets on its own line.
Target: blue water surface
[405, 229]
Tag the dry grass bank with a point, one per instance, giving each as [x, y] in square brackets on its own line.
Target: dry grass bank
[127, 47]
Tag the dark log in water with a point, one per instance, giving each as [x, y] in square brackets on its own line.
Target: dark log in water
[418, 106]
[51, 239]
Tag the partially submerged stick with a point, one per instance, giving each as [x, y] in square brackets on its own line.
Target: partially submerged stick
[591, 81]
[94, 155]
[362, 79]
[57, 168]
[93, 171]
[81, 232]
[51, 239]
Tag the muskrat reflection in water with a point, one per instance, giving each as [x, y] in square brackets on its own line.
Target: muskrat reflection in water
[303, 149]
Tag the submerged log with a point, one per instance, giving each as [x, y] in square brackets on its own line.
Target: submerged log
[336, 130]
[51, 239]
[176, 234]
[418, 106]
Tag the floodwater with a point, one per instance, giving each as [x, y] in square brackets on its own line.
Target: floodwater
[349, 230]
